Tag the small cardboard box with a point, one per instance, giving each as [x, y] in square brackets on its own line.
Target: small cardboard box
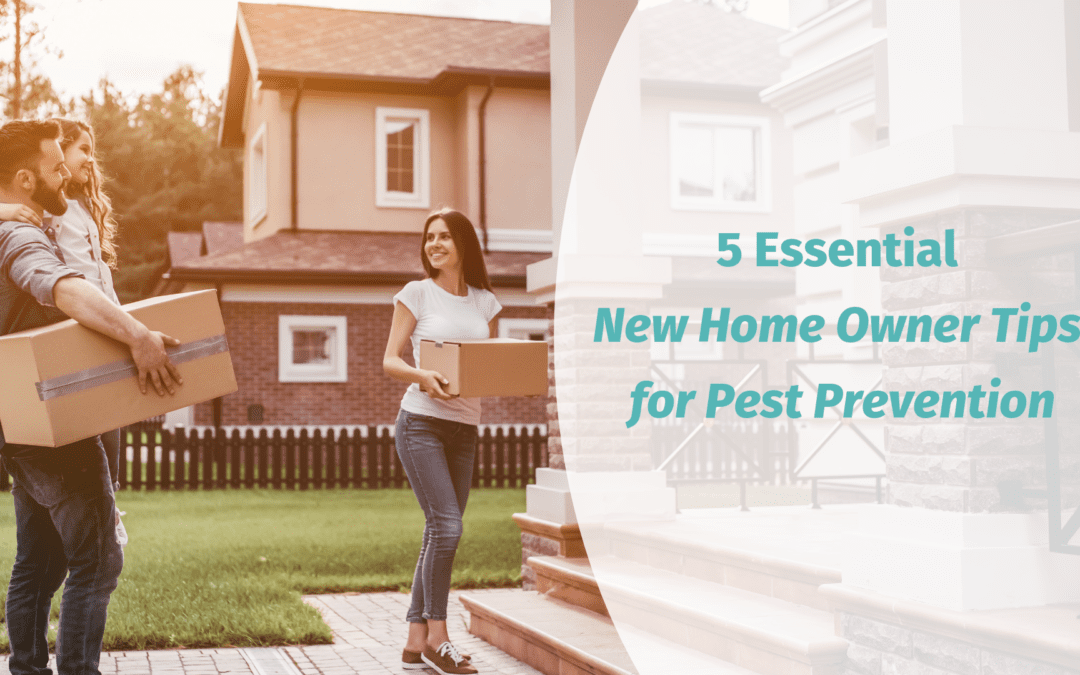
[492, 367]
[63, 383]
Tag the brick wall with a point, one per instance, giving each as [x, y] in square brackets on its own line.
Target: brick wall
[369, 397]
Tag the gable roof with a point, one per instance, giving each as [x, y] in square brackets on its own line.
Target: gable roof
[336, 257]
[704, 45]
[682, 43]
[219, 237]
[183, 246]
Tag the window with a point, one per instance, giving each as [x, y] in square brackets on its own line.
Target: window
[523, 329]
[719, 163]
[402, 158]
[312, 349]
[257, 189]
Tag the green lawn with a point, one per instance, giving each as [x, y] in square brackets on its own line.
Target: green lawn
[220, 568]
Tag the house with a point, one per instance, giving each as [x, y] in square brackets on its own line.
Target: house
[355, 130]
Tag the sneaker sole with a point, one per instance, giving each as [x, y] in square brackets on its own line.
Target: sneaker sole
[414, 666]
[434, 667]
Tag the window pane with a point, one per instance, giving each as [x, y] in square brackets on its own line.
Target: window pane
[400, 146]
[736, 153]
[694, 160]
[312, 346]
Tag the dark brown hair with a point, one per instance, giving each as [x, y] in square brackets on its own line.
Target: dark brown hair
[468, 245]
[20, 146]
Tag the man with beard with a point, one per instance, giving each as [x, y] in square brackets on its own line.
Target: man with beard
[64, 508]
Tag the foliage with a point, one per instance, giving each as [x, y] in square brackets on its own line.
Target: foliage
[164, 170]
[227, 567]
[27, 93]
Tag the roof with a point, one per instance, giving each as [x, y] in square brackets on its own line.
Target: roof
[220, 237]
[184, 246]
[386, 45]
[683, 43]
[339, 257]
[703, 44]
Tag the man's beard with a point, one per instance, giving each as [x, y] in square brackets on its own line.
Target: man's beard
[53, 201]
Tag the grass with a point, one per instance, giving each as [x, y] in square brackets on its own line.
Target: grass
[227, 568]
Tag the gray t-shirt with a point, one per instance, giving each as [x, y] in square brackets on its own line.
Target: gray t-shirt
[445, 316]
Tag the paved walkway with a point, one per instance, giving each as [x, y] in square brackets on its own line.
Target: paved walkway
[369, 632]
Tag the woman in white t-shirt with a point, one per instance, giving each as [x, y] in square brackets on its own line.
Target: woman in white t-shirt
[436, 434]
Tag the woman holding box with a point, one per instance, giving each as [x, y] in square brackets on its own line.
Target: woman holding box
[436, 434]
[85, 235]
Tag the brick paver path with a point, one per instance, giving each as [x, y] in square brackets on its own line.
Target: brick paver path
[369, 632]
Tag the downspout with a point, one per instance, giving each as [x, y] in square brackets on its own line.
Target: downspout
[293, 141]
[482, 114]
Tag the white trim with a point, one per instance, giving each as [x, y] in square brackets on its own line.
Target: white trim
[529, 325]
[338, 368]
[420, 198]
[763, 203]
[503, 239]
[258, 183]
[684, 245]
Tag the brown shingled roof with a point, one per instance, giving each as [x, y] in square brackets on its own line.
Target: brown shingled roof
[341, 42]
[337, 258]
[221, 237]
[695, 43]
[184, 246]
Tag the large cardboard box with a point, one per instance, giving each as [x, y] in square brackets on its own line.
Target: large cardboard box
[64, 382]
[492, 367]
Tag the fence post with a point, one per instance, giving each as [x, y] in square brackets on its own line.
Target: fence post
[261, 449]
[247, 445]
[318, 447]
[207, 446]
[277, 454]
[333, 463]
[384, 441]
[123, 477]
[304, 447]
[221, 457]
[137, 461]
[290, 459]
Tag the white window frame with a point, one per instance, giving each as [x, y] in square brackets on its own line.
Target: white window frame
[258, 180]
[763, 203]
[420, 197]
[336, 371]
[506, 326]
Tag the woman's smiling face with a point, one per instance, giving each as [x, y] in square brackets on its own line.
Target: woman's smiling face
[439, 247]
[79, 158]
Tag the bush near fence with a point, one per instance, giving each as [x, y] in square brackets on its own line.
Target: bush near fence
[302, 458]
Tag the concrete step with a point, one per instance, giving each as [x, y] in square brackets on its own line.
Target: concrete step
[763, 634]
[558, 638]
[779, 552]
[568, 579]
[553, 636]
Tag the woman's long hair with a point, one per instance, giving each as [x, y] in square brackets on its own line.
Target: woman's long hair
[468, 246]
[90, 194]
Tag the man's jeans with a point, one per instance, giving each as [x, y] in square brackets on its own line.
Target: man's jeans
[438, 457]
[65, 519]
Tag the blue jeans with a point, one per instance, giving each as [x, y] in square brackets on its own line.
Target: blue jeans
[65, 519]
[438, 457]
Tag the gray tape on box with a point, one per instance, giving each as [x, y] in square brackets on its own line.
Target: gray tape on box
[119, 370]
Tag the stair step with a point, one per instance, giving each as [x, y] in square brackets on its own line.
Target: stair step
[780, 552]
[568, 579]
[763, 634]
[654, 655]
[553, 636]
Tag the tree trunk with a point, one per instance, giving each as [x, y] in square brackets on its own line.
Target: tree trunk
[17, 92]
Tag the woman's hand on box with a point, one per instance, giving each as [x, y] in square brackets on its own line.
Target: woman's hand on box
[432, 383]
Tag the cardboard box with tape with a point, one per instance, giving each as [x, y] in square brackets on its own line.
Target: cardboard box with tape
[491, 367]
[65, 382]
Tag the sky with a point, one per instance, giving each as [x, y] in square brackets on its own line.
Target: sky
[136, 43]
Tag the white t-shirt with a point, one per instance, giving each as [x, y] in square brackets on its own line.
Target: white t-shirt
[77, 237]
[445, 316]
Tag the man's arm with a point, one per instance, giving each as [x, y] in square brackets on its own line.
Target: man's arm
[83, 302]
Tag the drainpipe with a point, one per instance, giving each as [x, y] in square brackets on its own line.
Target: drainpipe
[294, 135]
[482, 113]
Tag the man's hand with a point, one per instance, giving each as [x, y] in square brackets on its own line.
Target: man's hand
[153, 363]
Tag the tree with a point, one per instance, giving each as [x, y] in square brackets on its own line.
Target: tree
[164, 170]
[27, 92]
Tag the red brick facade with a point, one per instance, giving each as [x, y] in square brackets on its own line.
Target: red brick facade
[369, 397]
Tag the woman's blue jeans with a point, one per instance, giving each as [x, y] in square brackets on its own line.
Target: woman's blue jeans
[438, 457]
[65, 520]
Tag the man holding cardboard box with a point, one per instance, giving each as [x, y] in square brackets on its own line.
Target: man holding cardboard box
[64, 506]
